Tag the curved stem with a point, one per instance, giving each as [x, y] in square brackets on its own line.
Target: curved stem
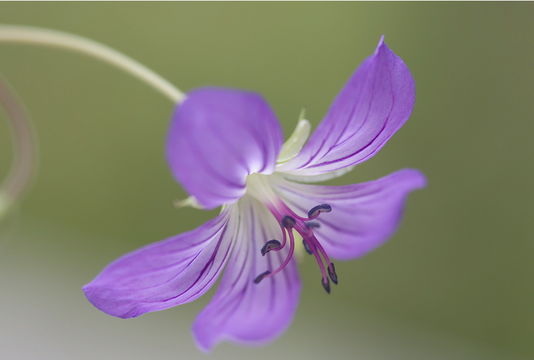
[40, 36]
[23, 165]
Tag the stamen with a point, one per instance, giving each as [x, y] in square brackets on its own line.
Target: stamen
[307, 247]
[288, 222]
[316, 210]
[283, 265]
[270, 245]
[321, 266]
[332, 273]
[284, 238]
[326, 284]
[331, 268]
[261, 276]
[318, 246]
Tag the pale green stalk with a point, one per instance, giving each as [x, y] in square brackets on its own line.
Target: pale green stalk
[23, 165]
[53, 38]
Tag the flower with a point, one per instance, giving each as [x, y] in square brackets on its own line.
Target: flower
[225, 147]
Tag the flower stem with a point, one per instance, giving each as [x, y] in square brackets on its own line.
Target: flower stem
[23, 164]
[46, 37]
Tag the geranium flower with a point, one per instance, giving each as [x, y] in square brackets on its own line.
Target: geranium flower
[225, 147]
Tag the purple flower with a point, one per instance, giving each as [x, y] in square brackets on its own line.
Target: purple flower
[225, 147]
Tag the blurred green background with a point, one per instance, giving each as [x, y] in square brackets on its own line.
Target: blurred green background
[455, 282]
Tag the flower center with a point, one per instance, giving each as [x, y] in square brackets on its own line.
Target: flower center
[259, 187]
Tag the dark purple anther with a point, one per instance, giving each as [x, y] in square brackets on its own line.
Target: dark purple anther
[332, 273]
[261, 276]
[270, 245]
[326, 284]
[288, 222]
[316, 210]
[306, 247]
[313, 225]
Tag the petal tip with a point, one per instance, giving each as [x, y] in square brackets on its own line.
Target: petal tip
[94, 296]
[423, 182]
[203, 340]
[203, 346]
[91, 296]
[380, 44]
[415, 178]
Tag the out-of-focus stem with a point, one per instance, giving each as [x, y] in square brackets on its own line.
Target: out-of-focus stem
[47, 37]
[23, 164]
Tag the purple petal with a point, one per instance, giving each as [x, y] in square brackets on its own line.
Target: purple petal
[241, 310]
[219, 136]
[363, 215]
[164, 274]
[374, 104]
